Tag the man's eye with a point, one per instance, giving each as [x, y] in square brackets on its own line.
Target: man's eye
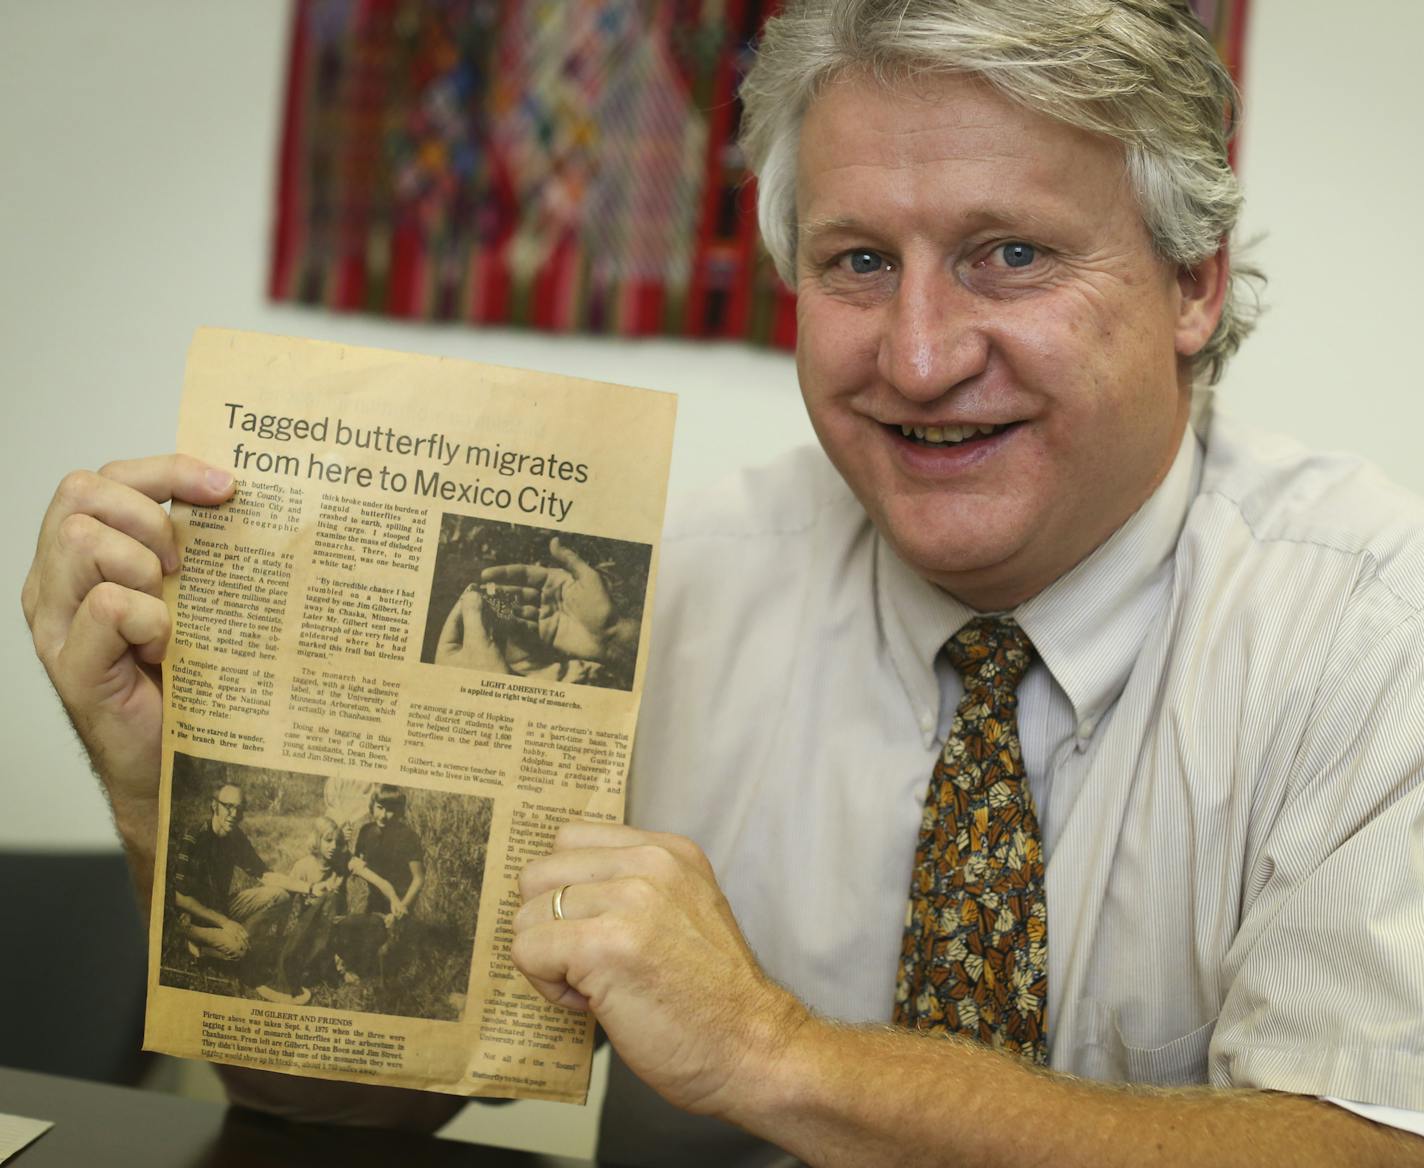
[1018, 255]
[864, 263]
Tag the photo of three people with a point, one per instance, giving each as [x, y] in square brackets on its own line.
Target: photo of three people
[304, 889]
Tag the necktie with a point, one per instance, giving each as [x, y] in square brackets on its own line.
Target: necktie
[974, 959]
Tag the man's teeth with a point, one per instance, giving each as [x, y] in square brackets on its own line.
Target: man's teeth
[944, 434]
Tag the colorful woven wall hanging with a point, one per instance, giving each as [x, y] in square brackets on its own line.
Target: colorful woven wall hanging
[561, 164]
[564, 164]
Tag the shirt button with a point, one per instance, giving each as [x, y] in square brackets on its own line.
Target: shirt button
[927, 722]
[1086, 727]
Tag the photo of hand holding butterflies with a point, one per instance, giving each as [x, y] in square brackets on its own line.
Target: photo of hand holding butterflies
[536, 603]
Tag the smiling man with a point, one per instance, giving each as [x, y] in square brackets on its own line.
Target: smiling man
[1031, 772]
[994, 356]
[1042, 732]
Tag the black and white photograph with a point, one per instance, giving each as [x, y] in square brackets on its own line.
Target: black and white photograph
[534, 602]
[305, 889]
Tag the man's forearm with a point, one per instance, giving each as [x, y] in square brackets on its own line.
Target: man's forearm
[417, 882]
[284, 880]
[201, 912]
[137, 824]
[869, 1097]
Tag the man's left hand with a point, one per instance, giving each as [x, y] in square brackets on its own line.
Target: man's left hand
[649, 945]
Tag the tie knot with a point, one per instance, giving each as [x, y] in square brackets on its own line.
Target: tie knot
[991, 652]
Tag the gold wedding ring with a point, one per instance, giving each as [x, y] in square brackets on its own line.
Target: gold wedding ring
[559, 902]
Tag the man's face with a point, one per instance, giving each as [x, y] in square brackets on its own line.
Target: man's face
[381, 814]
[228, 807]
[964, 263]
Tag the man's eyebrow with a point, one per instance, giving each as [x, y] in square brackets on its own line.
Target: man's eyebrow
[810, 228]
[976, 219]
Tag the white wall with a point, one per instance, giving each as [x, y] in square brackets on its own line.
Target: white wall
[136, 151]
[1333, 162]
[137, 143]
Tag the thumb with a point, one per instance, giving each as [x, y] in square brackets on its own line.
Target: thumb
[464, 610]
[570, 559]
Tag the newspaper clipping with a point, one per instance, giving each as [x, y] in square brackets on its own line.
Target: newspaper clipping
[406, 651]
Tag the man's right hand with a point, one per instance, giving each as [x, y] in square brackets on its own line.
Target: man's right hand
[93, 600]
[94, 603]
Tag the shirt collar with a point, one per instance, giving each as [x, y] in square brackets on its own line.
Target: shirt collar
[918, 618]
[1088, 626]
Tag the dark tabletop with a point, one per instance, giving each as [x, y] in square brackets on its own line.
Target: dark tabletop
[100, 1125]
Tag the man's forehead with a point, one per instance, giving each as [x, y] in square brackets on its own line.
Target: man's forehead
[230, 794]
[950, 149]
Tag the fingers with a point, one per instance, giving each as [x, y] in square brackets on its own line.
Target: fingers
[464, 641]
[452, 632]
[542, 877]
[172, 476]
[110, 622]
[127, 496]
[529, 575]
[522, 602]
[575, 563]
[229, 941]
[579, 834]
[594, 833]
[109, 525]
[542, 957]
[602, 866]
[464, 622]
[607, 867]
[87, 553]
[627, 891]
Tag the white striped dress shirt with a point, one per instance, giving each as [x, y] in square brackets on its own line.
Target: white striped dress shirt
[1224, 735]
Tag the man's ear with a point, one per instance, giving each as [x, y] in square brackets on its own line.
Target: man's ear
[1203, 289]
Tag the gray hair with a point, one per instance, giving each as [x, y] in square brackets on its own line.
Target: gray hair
[1140, 71]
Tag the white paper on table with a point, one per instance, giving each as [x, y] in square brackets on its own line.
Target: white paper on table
[16, 1131]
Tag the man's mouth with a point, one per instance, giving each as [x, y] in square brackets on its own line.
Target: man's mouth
[947, 436]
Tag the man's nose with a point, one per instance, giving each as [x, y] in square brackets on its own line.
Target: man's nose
[932, 338]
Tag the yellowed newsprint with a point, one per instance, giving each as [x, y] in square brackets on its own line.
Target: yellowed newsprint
[409, 647]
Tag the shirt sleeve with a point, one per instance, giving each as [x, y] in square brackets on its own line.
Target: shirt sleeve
[1396, 1117]
[412, 850]
[308, 868]
[1326, 974]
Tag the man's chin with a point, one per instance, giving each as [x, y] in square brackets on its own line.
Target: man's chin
[977, 572]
